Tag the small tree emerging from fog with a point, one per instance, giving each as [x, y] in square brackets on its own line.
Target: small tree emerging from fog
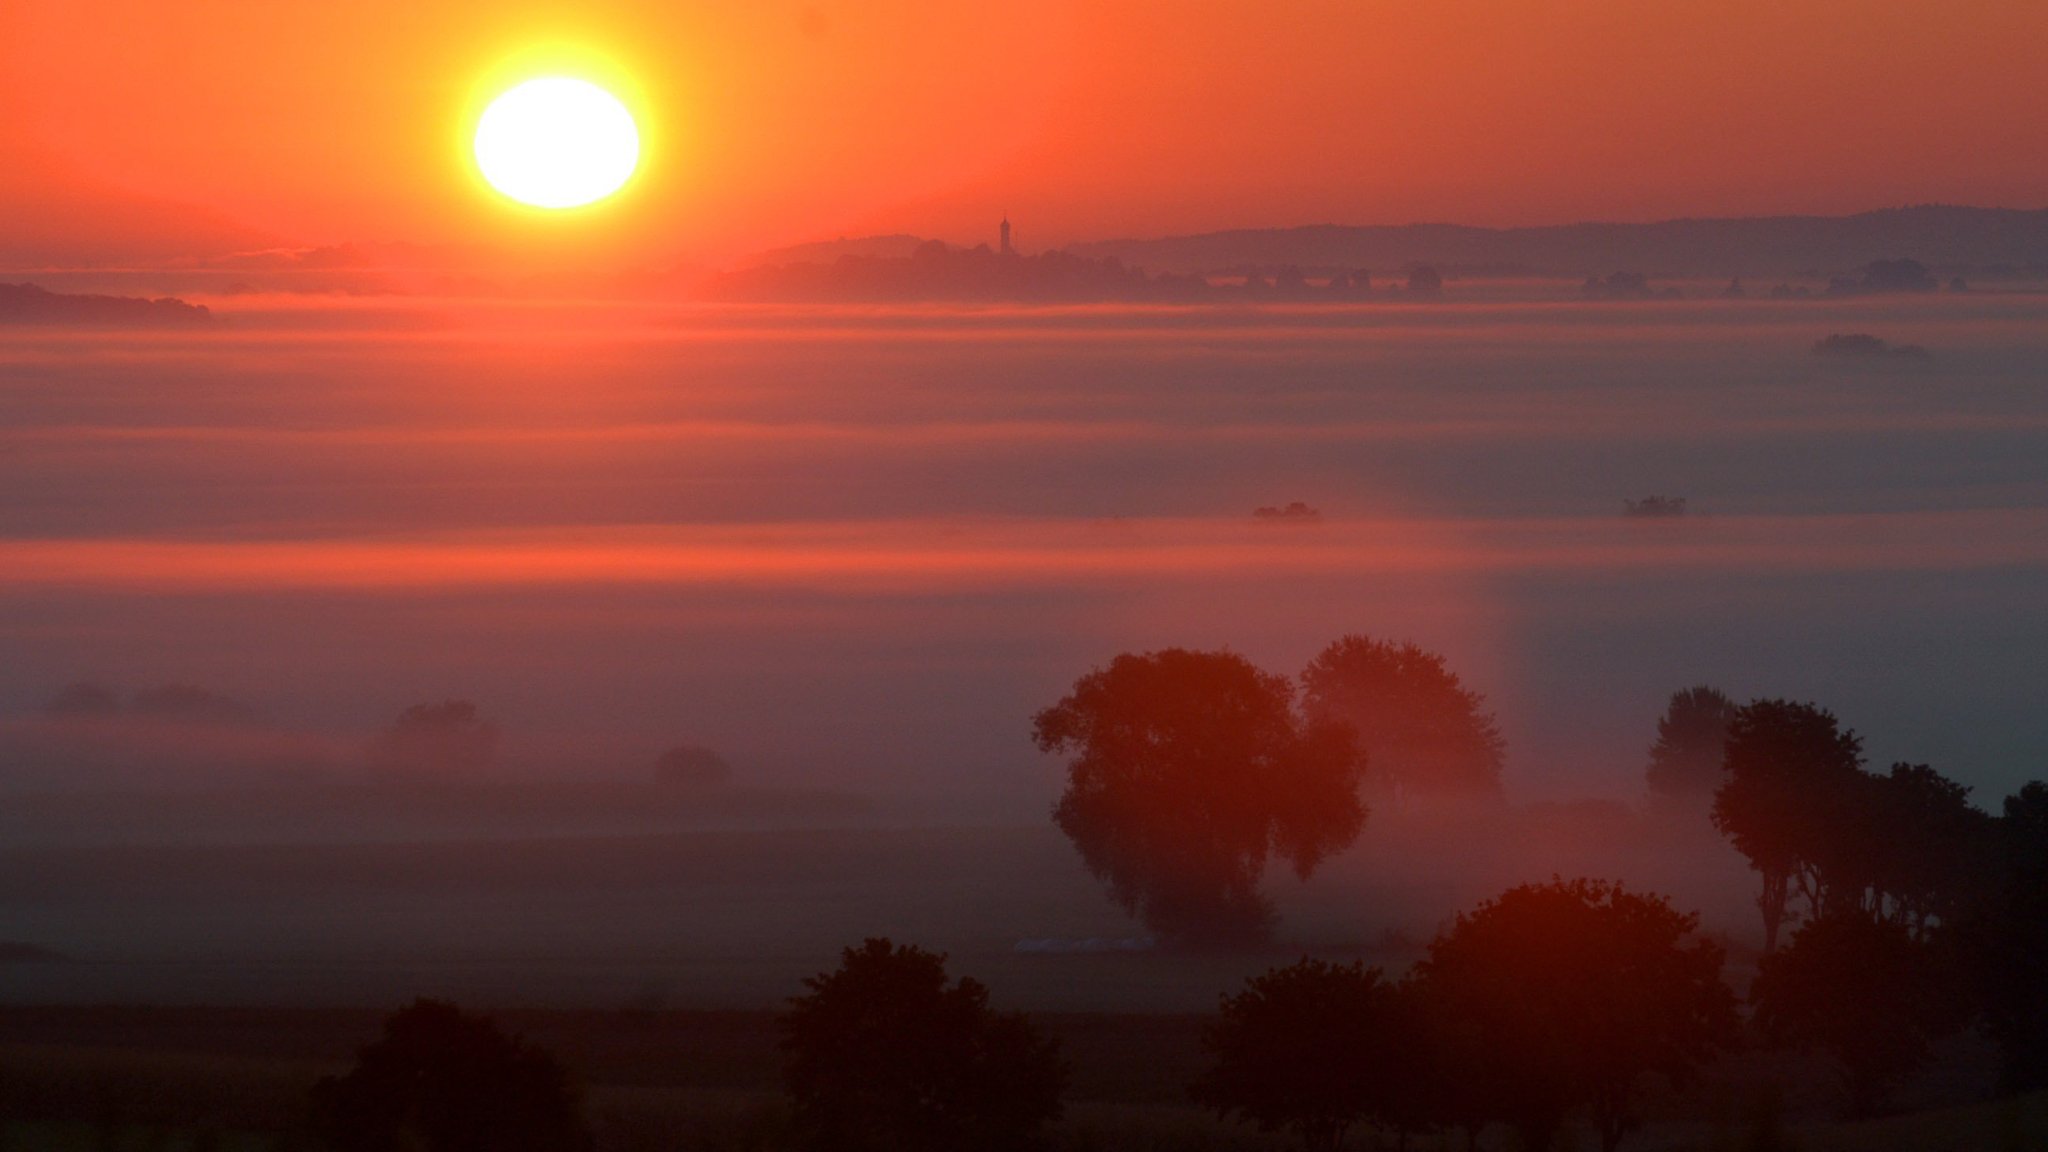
[1189, 771]
[1421, 730]
[884, 1055]
[1314, 1047]
[1692, 742]
[692, 766]
[83, 699]
[443, 1080]
[1571, 995]
[449, 737]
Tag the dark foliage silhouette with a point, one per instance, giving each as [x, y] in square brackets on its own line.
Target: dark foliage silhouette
[443, 1080]
[2002, 934]
[1692, 737]
[884, 1055]
[1858, 345]
[446, 738]
[1655, 508]
[1424, 280]
[1919, 848]
[1189, 771]
[1296, 512]
[692, 766]
[1788, 765]
[1903, 847]
[1439, 1085]
[1570, 997]
[1864, 992]
[1421, 730]
[1314, 1047]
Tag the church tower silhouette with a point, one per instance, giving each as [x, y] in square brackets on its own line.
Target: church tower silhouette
[1005, 234]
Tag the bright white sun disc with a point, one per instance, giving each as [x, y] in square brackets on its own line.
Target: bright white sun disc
[557, 142]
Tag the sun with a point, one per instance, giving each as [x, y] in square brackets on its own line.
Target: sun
[557, 142]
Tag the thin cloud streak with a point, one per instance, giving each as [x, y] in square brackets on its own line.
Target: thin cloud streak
[1517, 427]
[955, 555]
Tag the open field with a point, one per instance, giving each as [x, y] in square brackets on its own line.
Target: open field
[159, 1078]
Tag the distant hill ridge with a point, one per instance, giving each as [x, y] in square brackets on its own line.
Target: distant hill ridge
[1982, 240]
[892, 247]
[29, 304]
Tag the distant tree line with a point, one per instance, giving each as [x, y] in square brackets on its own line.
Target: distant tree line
[936, 270]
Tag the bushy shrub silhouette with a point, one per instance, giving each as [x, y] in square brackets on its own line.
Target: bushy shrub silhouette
[884, 1055]
[443, 1080]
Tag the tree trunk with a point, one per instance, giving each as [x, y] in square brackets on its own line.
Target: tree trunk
[1771, 902]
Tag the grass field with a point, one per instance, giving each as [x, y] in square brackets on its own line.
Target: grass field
[230, 1080]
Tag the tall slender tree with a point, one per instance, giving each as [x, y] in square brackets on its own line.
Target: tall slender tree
[1789, 768]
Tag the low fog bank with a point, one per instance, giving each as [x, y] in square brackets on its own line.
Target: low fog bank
[179, 764]
[735, 917]
[848, 554]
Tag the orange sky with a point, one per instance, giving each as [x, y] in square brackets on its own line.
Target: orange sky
[212, 122]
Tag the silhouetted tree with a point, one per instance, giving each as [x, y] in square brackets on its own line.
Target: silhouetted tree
[883, 1055]
[1573, 995]
[1421, 730]
[2002, 933]
[1864, 992]
[1439, 1083]
[1619, 286]
[442, 1080]
[446, 737]
[1922, 846]
[1424, 280]
[83, 699]
[1189, 771]
[1787, 767]
[693, 766]
[1692, 737]
[1314, 1047]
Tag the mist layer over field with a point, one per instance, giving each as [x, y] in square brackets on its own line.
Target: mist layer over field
[854, 550]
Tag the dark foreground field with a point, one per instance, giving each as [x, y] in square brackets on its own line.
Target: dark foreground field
[130, 1079]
